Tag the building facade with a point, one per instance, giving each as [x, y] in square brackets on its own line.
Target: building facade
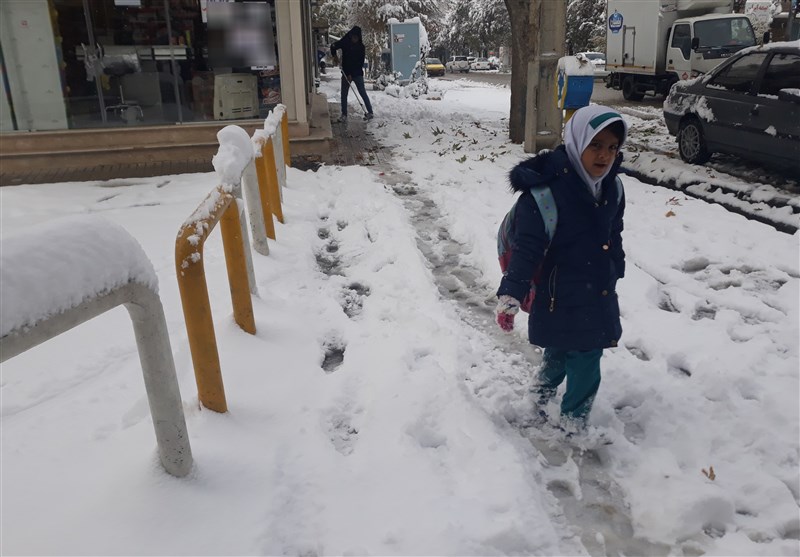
[111, 65]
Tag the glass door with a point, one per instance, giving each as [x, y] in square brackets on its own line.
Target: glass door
[122, 63]
[136, 83]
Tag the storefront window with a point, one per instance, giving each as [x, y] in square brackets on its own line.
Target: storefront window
[117, 63]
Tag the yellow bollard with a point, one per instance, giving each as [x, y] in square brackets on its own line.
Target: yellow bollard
[263, 193]
[268, 158]
[287, 158]
[233, 246]
[194, 290]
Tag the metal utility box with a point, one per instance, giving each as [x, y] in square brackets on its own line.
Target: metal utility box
[575, 82]
[405, 47]
[235, 96]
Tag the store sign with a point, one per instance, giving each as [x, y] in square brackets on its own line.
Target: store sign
[240, 35]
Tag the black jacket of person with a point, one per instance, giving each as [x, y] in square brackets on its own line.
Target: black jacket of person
[352, 52]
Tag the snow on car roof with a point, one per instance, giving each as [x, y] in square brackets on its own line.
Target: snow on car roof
[791, 45]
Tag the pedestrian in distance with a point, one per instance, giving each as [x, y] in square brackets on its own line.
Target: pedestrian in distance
[571, 241]
[352, 64]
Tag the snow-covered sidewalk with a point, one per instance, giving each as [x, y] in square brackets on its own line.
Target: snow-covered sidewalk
[376, 410]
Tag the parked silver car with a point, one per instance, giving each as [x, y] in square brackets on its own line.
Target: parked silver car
[480, 64]
[747, 106]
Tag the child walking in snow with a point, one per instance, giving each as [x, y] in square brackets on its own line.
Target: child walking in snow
[575, 313]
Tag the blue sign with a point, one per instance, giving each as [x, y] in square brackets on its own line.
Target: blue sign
[615, 22]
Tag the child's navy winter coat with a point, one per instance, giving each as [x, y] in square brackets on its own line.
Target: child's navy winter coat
[576, 304]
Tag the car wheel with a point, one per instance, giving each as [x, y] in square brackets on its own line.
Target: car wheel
[629, 90]
[691, 143]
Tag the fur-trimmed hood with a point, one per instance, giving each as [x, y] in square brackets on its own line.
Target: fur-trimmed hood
[533, 171]
[543, 168]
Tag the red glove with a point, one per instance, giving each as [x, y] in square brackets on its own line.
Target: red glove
[507, 308]
[506, 321]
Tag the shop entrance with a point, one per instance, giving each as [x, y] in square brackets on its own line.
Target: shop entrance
[125, 61]
[85, 64]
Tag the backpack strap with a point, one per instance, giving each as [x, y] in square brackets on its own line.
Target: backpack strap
[618, 183]
[543, 196]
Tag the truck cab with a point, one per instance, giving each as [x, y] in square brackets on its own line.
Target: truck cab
[697, 45]
[651, 44]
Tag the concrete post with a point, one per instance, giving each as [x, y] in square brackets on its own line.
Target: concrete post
[155, 355]
[251, 193]
[278, 147]
[273, 183]
[161, 384]
[546, 46]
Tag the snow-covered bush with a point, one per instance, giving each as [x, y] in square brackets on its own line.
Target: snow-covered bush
[384, 80]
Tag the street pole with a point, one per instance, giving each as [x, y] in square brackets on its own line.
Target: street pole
[545, 46]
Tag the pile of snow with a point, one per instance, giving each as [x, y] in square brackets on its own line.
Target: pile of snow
[57, 265]
[234, 154]
[576, 65]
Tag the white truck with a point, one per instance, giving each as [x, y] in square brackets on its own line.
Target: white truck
[651, 44]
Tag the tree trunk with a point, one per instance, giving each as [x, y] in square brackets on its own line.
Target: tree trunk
[791, 22]
[519, 13]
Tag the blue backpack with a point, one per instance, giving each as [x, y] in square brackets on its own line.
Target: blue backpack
[543, 197]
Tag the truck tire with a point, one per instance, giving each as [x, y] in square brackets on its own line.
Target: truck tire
[691, 142]
[629, 90]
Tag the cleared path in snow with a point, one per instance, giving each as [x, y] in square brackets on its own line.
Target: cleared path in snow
[593, 504]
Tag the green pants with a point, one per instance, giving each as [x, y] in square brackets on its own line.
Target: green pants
[582, 371]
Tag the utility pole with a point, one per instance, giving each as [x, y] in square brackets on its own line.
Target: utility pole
[548, 21]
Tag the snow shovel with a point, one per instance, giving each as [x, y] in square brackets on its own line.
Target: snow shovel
[356, 94]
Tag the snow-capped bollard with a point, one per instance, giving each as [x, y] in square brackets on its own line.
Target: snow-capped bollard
[231, 162]
[220, 206]
[574, 84]
[284, 116]
[71, 270]
[270, 175]
[277, 125]
[266, 183]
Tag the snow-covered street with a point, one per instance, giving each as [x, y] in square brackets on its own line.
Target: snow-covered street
[379, 410]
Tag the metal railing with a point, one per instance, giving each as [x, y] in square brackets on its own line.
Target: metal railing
[264, 178]
[220, 206]
[261, 182]
[149, 326]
